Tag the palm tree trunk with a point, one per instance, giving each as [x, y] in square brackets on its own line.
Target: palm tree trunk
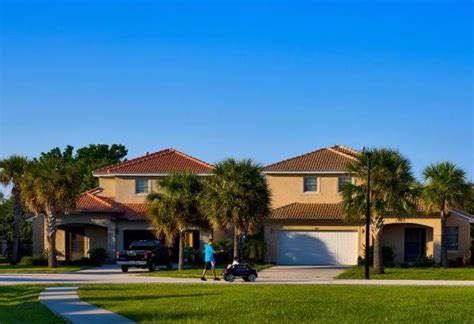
[444, 250]
[51, 224]
[181, 251]
[236, 241]
[378, 259]
[16, 227]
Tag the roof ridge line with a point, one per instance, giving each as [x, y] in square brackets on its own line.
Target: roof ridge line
[294, 157]
[99, 199]
[194, 159]
[341, 153]
[136, 160]
[345, 147]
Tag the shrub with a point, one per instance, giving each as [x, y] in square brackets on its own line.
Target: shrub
[388, 257]
[223, 251]
[423, 262]
[254, 248]
[98, 256]
[37, 260]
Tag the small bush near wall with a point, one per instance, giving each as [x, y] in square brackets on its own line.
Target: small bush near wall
[254, 248]
[98, 256]
[37, 260]
[388, 257]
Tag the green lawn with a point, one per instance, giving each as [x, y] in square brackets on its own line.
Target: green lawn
[252, 303]
[19, 304]
[21, 268]
[434, 273]
[195, 272]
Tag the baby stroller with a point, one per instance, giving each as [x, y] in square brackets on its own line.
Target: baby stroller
[240, 270]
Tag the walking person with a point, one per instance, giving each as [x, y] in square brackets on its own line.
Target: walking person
[209, 261]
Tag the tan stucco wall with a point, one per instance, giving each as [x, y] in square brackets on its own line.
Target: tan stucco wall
[464, 235]
[287, 189]
[394, 237]
[61, 244]
[125, 189]
[95, 237]
[272, 228]
[393, 234]
[108, 186]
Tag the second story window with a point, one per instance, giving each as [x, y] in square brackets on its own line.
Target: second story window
[343, 180]
[310, 184]
[141, 186]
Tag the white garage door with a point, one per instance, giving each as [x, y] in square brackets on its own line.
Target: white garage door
[317, 248]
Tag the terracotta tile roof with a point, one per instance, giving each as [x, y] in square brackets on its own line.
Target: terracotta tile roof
[308, 211]
[91, 202]
[162, 162]
[330, 159]
[135, 211]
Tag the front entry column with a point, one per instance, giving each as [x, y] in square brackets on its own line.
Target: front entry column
[112, 240]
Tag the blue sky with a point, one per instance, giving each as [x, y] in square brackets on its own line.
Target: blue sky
[260, 79]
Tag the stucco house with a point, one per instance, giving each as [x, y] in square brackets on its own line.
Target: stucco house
[113, 215]
[307, 224]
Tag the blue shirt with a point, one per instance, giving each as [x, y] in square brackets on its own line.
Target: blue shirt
[208, 253]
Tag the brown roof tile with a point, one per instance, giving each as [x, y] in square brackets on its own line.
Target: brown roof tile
[91, 202]
[330, 159]
[162, 162]
[308, 211]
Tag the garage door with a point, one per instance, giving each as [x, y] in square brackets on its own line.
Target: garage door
[317, 248]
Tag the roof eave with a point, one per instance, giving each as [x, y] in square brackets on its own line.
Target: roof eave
[141, 174]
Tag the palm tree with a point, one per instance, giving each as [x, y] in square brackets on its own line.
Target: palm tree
[237, 196]
[445, 187]
[12, 170]
[175, 208]
[393, 191]
[50, 188]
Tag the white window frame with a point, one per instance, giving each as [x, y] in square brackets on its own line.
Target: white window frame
[148, 187]
[317, 185]
[447, 249]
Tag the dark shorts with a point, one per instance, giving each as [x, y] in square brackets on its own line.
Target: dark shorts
[209, 265]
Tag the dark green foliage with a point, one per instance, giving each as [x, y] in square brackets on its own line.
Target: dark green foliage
[35, 260]
[6, 223]
[388, 257]
[98, 256]
[89, 158]
[223, 251]
[254, 248]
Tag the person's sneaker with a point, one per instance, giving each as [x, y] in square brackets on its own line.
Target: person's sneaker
[216, 279]
[203, 279]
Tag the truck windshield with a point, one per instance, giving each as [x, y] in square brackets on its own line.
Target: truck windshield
[142, 246]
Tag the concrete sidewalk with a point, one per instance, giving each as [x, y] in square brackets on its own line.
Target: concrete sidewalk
[274, 275]
[65, 302]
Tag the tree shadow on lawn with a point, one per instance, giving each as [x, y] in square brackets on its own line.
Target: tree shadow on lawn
[139, 298]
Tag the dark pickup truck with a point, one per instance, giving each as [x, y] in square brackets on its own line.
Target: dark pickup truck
[144, 254]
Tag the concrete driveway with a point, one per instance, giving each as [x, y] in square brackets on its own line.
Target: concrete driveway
[300, 273]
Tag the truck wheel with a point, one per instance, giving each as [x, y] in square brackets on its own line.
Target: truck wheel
[251, 277]
[229, 278]
[124, 268]
[152, 267]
